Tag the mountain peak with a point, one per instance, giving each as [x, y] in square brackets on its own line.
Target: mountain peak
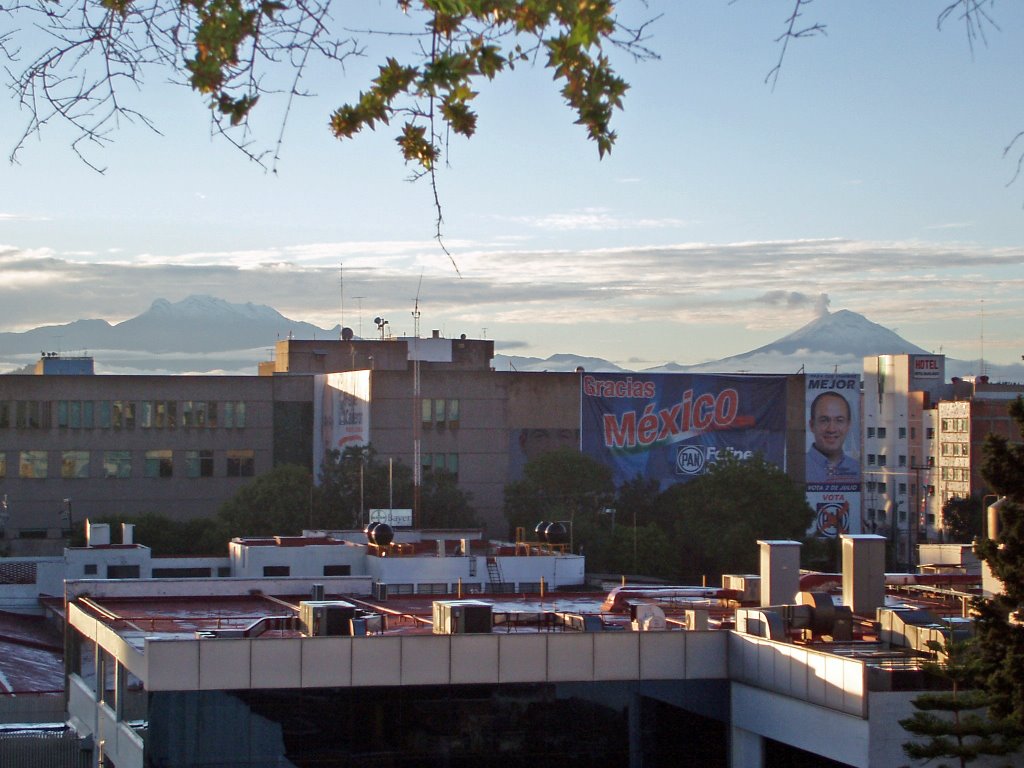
[842, 332]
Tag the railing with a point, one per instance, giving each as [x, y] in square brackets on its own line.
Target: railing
[817, 677]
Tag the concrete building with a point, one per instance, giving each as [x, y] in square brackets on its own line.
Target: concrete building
[240, 671]
[75, 446]
[923, 439]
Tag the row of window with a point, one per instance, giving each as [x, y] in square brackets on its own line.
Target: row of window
[75, 465]
[122, 414]
[953, 425]
[955, 473]
[956, 449]
[440, 462]
[882, 460]
[880, 432]
[438, 412]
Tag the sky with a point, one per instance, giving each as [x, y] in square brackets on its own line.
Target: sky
[871, 177]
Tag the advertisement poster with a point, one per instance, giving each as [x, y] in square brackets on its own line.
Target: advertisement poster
[342, 412]
[674, 427]
[833, 473]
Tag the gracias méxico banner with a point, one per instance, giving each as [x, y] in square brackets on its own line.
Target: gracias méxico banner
[673, 427]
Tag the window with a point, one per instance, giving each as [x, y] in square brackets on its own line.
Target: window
[902, 460]
[117, 464]
[158, 464]
[241, 463]
[871, 459]
[913, 433]
[881, 487]
[882, 459]
[931, 461]
[440, 412]
[881, 432]
[5, 414]
[3, 465]
[930, 433]
[337, 570]
[122, 414]
[146, 414]
[198, 463]
[903, 489]
[74, 465]
[89, 569]
[211, 414]
[122, 571]
[103, 414]
[240, 414]
[902, 432]
[32, 414]
[32, 465]
[871, 431]
[276, 570]
[62, 413]
[88, 409]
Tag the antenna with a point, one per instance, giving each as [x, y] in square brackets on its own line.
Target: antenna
[416, 309]
[417, 410]
[341, 290]
[359, 300]
[981, 371]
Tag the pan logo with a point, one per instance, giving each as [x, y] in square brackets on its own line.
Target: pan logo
[690, 460]
[833, 518]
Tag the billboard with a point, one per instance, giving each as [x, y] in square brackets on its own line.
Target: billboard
[674, 427]
[833, 468]
[341, 412]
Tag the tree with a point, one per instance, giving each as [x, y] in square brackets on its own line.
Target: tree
[561, 485]
[952, 723]
[278, 502]
[962, 519]
[237, 52]
[443, 504]
[1001, 618]
[716, 518]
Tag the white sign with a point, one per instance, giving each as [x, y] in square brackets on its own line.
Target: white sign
[396, 518]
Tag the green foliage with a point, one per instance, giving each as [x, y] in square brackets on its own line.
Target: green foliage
[716, 519]
[278, 502]
[953, 723]
[466, 44]
[355, 480]
[167, 537]
[559, 485]
[963, 519]
[1001, 619]
[700, 528]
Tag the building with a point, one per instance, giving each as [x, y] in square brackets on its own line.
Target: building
[923, 439]
[75, 446]
[298, 670]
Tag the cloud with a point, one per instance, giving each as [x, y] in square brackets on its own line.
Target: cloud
[594, 219]
[700, 292]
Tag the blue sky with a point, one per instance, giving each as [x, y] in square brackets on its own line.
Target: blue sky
[872, 173]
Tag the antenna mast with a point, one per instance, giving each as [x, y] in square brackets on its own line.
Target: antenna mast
[417, 409]
[981, 371]
[341, 290]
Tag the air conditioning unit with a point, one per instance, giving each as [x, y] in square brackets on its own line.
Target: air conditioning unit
[380, 590]
[326, 618]
[462, 617]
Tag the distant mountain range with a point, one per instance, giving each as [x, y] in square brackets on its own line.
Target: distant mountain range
[203, 334]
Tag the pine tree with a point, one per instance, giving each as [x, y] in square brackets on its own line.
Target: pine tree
[954, 722]
[1001, 618]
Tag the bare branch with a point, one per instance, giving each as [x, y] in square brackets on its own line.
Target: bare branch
[975, 17]
[793, 32]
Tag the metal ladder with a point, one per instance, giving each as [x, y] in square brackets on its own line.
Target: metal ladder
[494, 574]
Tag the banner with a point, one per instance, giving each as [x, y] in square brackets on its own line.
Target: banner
[341, 412]
[674, 427]
[832, 468]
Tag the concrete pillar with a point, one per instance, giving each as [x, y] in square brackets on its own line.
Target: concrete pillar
[863, 573]
[780, 572]
[746, 749]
